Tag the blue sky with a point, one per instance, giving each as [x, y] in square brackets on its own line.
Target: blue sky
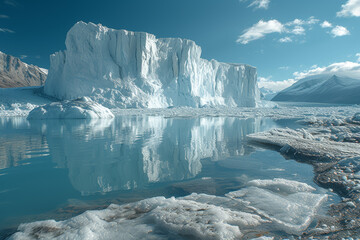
[279, 37]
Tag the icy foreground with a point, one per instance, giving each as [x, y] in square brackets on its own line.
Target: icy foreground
[119, 68]
[80, 108]
[329, 139]
[271, 205]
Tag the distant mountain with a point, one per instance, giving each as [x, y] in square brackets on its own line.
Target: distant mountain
[15, 73]
[267, 94]
[322, 89]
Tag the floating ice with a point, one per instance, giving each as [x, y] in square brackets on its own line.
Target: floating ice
[287, 204]
[244, 213]
[79, 108]
[311, 143]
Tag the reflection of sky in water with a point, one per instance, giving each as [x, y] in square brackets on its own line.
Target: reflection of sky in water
[45, 164]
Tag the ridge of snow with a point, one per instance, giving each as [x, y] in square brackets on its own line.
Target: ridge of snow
[323, 89]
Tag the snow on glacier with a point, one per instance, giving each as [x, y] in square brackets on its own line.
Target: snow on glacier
[244, 213]
[125, 69]
[76, 109]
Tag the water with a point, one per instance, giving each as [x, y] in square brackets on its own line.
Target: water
[59, 168]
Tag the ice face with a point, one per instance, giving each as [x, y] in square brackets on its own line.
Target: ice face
[119, 68]
[244, 213]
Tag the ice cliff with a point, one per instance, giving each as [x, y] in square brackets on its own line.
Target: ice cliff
[125, 69]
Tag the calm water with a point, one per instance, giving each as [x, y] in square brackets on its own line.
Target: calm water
[59, 168]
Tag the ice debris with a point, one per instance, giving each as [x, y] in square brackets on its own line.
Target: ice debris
[243, 213]
[79, 108]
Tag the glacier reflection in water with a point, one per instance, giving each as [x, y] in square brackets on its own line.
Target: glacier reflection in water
[44, 164]
[131, 152]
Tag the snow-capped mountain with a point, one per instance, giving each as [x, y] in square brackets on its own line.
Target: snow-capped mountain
[15, 73]
[322, 89]
[267, 94]
[119, 68]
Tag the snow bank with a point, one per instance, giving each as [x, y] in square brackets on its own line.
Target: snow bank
[244, 213]
[79, 108]
[119, 68]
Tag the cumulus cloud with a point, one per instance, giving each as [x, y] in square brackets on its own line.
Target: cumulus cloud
[285, 40]
[347, 69]
[350, 9]
[258, 3]
[339, 31]
[259, 30]
[326, 24]
[358, 56]
[263, 28]
[275, 86]
[298, 30]
[6, 30]
[299, 22]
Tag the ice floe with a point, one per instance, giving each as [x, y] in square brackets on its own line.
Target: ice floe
[272, 205]
[79, 108]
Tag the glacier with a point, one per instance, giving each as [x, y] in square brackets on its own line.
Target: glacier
[124, 69]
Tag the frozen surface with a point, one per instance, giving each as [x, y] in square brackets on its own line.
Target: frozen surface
[242, 213]
[125, 69]
[20, 101]
[333, 138]
[323, 89]
[79, 108]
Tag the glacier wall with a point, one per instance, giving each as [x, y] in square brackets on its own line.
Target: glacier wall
[125, 69]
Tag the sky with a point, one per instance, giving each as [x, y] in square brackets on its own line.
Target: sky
[284, 39]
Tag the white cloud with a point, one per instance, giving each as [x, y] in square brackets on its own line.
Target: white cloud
[4, 16]
[326, 24]
[275, 86]
[339, 31]
[350, 9]
[348, 69]
[358, 56]
[258, 3]
[285, 40]
[6, 30]
[299, 22]
[263, 28]
[259, 30]
[298, 30]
